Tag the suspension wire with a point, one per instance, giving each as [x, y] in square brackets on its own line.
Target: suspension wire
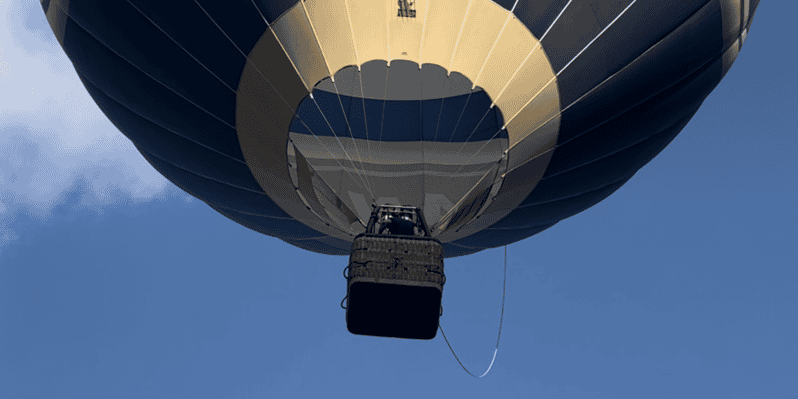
[332, 78]
[459, 35]
[357, 58]
[332, 155]
[438, 123]
[487, 57]
[553, 78]
[342, 147]
[261, 73]
[421, 129]
[385, 98]
[346, 118]
[501, 321]
[478, 151]
[459, 118]
[365, 121]
[474, 85]
[505, 86]
[354, 143]
[423, 35]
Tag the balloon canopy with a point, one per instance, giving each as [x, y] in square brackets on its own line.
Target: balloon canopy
[496, 118]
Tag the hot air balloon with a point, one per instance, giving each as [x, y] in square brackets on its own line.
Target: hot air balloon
[494, 119]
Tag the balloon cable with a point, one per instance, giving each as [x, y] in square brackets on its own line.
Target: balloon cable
[501, 321]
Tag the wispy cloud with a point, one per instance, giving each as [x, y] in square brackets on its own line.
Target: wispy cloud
[51, 131]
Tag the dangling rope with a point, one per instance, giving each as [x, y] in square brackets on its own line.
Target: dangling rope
[495, 351]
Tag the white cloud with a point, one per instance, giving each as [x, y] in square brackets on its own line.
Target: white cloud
[51, 131]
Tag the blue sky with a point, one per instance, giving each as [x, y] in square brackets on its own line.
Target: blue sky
[116, 284]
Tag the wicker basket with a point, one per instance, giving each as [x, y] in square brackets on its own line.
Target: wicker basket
[394, 286]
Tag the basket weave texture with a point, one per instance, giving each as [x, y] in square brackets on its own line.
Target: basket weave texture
[401, 259]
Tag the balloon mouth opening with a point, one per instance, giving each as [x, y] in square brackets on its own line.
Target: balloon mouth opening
[410, 134]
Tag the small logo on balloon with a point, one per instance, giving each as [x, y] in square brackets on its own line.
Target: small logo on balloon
[407, 9]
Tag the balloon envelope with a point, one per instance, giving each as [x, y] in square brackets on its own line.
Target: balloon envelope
[496, 118]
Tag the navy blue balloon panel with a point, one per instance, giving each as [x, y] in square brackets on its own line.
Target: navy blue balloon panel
[610, 131]
[546, 120]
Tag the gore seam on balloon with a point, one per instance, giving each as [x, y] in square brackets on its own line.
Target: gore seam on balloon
[332, 79]
[597, 36]
[179, 45]
[134, 112]
[423, 33]
[275, 90]
[365, 118]
[354, 143]
[351, 134]
[539, 44]
[460, 117]
[141, 70]
[269, 27]
[336, 138]
[244, 54]
[566, 66]
[454, 51]
[487, 57]
[658, 132]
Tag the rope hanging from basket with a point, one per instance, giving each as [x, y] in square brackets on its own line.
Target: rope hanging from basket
[501, 320]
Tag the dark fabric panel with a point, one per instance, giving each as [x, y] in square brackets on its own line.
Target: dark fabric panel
[273, 9]
[45, 5]
[490, 127]
[579, 24]
[357, 117]
[164, 144]
[331, 108]
[538, 15]
[213, 192]
[462, 118]
[506, 4]
[590, 177]
[299, 126]
[620, 133]
[402, 121]
[663, 110]
[680, 101]
[347, 108]
[492, 238]
[647, 22]
[129, 34]
[449, 114]
[469, 209]
[239, 19]
[671, 61]
[477, 121]
[394, 120]
[553, 212]
[430, 110]
[285, 229]
[614, 136]
[374, 114]
[308, 113]
[318, 247]
[142, 95]
[498, 118]
[186, 24]
[639, 123]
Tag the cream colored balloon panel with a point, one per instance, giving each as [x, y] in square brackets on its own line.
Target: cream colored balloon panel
[478, 39]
